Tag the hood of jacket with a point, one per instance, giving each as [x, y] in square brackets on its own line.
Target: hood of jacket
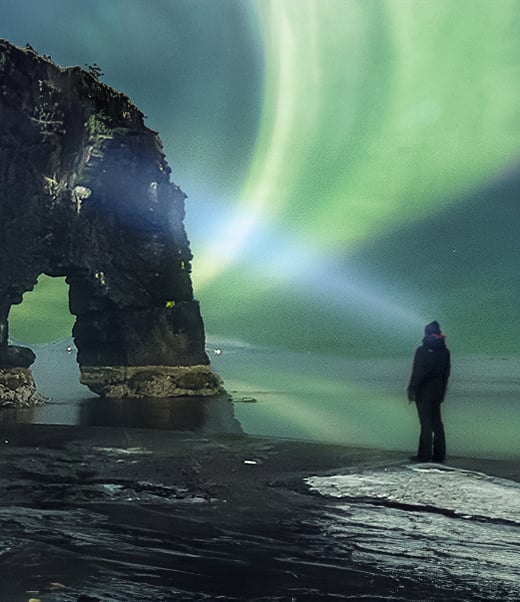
[434, 341]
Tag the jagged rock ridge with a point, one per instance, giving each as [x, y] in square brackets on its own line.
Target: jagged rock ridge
[85, 193]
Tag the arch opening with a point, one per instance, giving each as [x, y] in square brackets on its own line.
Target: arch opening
[43, 315]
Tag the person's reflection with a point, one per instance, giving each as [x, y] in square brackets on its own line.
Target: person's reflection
[180, 413]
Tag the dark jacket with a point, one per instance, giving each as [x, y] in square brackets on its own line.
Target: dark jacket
[431, 370]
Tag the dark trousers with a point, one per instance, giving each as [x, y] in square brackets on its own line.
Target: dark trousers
[432, 436]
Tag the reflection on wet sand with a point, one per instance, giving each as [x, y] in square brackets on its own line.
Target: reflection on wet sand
[13, 415]
[197, 414]
[179, 414]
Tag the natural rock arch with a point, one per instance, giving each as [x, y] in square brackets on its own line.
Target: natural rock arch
[85, 193]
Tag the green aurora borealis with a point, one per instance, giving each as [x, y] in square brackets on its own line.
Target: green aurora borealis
[351, 165]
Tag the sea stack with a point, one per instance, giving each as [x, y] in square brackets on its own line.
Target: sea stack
[85, 194]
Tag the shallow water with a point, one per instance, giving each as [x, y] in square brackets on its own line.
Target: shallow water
[305, 396]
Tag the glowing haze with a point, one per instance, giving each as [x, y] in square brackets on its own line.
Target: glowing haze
[350, 164]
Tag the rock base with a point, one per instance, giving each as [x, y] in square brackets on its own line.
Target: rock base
[18, 389]
[117, 382]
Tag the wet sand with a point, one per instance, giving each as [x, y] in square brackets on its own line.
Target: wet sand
[103, 513]
[236, 467]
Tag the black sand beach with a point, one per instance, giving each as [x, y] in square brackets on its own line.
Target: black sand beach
[102, 513]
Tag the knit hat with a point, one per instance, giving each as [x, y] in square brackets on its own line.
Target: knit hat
[432, 328]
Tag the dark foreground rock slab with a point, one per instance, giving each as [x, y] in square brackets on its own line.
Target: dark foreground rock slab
[135, 514]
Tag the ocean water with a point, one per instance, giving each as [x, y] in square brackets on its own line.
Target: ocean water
[308, 396]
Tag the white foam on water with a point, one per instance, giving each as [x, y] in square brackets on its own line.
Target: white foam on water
[463, 492]
[458, 529]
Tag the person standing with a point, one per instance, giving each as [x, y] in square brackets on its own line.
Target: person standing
[427, 387]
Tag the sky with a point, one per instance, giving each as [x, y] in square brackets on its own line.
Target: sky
[352, 166]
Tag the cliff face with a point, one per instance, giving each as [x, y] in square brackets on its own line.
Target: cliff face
[85, 193]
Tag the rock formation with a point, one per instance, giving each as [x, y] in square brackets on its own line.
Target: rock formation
[85, 193]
